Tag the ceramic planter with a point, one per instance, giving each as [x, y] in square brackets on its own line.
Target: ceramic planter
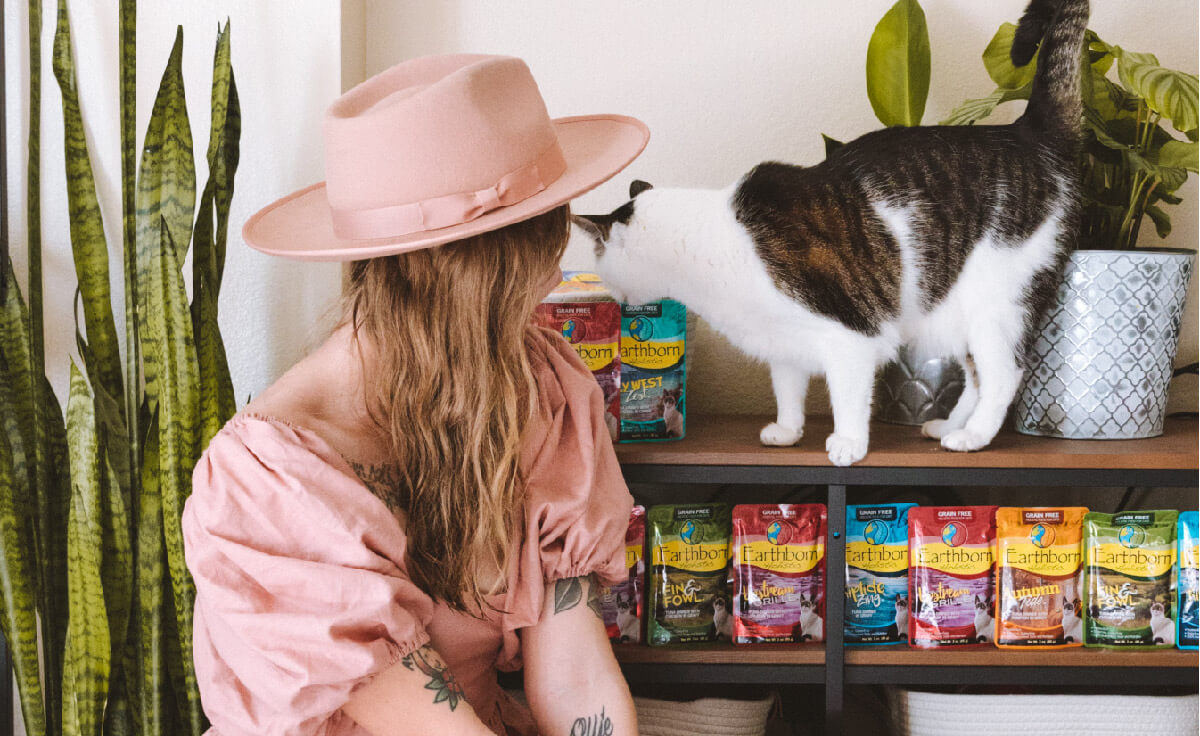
[911, 391]
[1101, 361]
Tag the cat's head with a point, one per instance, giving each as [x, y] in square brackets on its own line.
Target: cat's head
[807, 603]
[633, 255]
[901, 602]
[980, 604]
[1157, 609]
[718, 605]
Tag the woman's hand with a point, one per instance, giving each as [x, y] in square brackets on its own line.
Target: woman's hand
[417, 695]
[572, 680]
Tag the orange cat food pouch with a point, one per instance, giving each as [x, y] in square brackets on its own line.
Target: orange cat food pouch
[1039, 571]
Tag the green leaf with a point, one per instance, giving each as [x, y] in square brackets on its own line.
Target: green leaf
[1172, 94]
[997, 59]
[1162, 222]
[972, 111]
[898, 61]
[86, 665]
[128, 469]
[154, 696]
[831, 145]
[117, 565]
[1180, 155]
[88, 243]
[18, 616]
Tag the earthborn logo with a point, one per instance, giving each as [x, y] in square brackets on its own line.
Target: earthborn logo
[1041, 535]
[641, 329]
[779, 532]
[573, 331]
[953, 534]
[689, 532]
[875, 532]
[1132, 536]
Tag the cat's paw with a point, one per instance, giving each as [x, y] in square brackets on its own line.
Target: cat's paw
[935, 429]
[845, 451]
[777, 435]
[964, 440]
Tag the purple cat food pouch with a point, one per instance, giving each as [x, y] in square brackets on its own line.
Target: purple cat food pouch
[622, 603]
[779, 573]
[951, 575]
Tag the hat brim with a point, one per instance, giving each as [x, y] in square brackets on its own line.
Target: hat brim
[300, 225]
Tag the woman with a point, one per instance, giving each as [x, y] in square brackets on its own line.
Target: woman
[432, 494]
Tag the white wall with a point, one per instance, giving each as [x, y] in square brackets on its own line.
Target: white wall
[286, 59]
[724, 85]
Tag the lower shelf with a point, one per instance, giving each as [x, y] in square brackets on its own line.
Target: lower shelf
[805, 664]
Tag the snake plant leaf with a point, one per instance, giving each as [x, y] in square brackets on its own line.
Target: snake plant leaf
[117, 565]
[997, 59]
[88, 244]
[86, 665]
[127, 470]
[166, 191]
[18, 615]
[167, 339]
[33, 193]
[154, 694]
[54, 503]
[972, 111]
[898, 61]
[224, 150]
[1180, 155]
[1172, 94]
[20, 412]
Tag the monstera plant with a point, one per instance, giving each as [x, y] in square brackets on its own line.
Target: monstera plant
[90, 544]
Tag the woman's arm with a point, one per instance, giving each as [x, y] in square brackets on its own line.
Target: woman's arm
[572, 680]
[417, 695]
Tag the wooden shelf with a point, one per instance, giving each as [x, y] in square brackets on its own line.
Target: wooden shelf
[791, 654]
[733, 440]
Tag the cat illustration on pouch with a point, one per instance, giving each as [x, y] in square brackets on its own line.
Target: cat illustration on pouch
[948, 238]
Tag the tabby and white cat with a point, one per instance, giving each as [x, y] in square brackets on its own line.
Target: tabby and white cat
[949, 238]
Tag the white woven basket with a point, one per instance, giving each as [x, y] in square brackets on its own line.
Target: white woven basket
[938, 714]
[703, 717]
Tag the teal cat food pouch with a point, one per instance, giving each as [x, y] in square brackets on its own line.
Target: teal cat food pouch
[653, 371]
[877, 573]
[689, 548]
[1128, 596]
[1188, 581]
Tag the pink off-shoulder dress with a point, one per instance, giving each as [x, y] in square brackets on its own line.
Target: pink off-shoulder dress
[301, 590]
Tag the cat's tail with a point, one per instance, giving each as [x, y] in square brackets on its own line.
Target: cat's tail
[1058, 26]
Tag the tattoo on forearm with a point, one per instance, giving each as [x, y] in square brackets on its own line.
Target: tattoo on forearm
[568, 592]
[445, 688]
[381, 480]
[597, 725]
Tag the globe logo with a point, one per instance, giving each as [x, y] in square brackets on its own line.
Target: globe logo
[571, 331]
[875, 532]
[953, 534]
[688, 532]
[640, 329]
[1041, 535]
[778, 532]
[1132, 536]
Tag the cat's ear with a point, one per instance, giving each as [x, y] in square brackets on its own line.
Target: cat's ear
[597, 226]
[637, 186]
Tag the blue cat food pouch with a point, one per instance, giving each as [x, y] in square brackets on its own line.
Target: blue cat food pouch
[877, 573]
[653, 371]
[1188, 620]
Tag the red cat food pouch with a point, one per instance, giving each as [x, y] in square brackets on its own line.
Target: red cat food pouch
[1039, 570]
[622, 603]
[779, 573]
[951, 575]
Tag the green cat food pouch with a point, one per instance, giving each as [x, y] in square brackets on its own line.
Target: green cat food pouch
[1128, 594]
[689, 567]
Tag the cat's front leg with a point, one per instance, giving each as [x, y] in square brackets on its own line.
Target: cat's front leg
[850, 384]
[999, 376]
[791, 387]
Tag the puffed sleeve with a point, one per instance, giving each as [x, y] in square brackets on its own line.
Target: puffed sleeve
[301, 592]
[576, 502]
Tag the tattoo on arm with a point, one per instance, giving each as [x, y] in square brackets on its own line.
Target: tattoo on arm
[445, 688]
[568, 592]
[596, 725]
[381, 480]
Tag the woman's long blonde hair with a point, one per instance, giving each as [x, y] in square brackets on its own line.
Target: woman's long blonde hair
[449, 384]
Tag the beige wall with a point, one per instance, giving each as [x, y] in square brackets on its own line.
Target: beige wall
[724, 85]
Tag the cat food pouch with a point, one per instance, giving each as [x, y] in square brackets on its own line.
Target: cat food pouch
[778, 573]
[1188, 581]
[583, 311]
[877, 573]
[1128, 596]
[622, 603]
[653, 371]
[951, 575]
[1039, 577]
[689, 566]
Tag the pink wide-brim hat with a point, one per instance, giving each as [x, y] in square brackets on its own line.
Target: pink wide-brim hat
[438, 149]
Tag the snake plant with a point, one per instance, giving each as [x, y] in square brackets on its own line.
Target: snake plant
[90, 503]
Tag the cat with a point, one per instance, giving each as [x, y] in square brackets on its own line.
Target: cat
[722, 619]
[812, 626]
[1162, 628]
[1071, 623]
[671, 414]
[984, 623]
[948, 238]
[627, 620]
[902, 617]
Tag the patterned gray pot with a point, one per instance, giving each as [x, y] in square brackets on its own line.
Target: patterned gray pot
[1101, 362]
[910, 391]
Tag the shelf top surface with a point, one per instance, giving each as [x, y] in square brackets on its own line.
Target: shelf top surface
[733, 440]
